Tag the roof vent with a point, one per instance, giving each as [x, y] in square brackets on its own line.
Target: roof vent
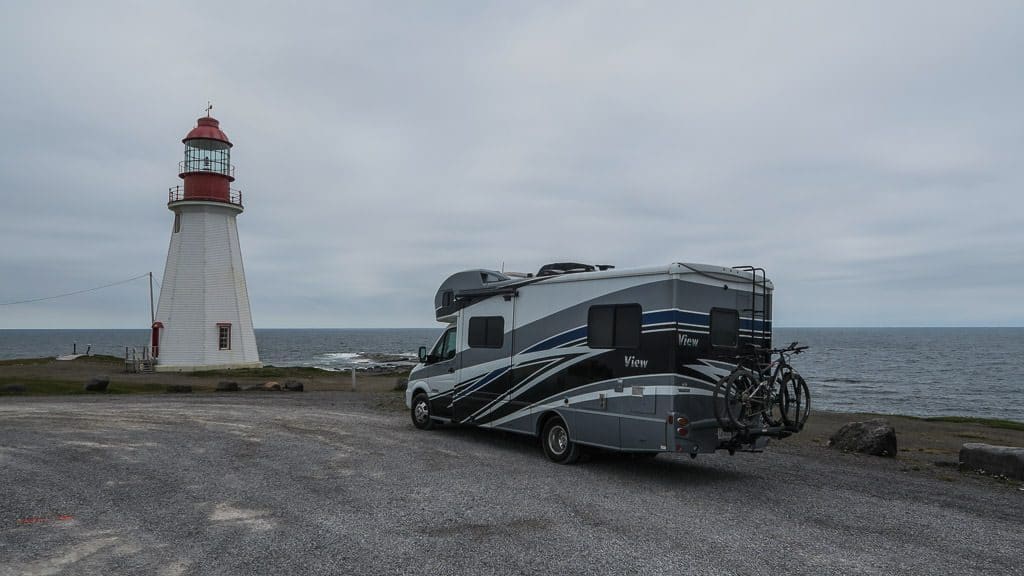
[570, 268]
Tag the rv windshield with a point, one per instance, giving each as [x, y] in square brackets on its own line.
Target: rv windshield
[445, 347]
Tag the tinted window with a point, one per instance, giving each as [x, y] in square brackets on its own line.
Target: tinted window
[725, 327]
[486, 332]
[628, 324]
[445, 347]
[614, 326]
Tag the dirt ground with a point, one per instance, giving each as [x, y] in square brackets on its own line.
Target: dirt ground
[930, 447]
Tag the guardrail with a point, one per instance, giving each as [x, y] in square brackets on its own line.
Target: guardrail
[177, 194]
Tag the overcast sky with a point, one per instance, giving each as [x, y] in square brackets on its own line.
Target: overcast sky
[868, 155]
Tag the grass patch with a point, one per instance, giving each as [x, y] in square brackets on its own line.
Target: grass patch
[25, 361]
[971, 436]
[990, 422]
[293, 372]
[269, 372]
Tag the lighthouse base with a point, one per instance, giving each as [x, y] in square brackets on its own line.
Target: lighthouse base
[203, 367]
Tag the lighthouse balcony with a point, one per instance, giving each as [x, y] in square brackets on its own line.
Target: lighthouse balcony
[177, 194]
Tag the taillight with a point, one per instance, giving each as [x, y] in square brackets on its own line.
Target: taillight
[682, 421]
[682, 431]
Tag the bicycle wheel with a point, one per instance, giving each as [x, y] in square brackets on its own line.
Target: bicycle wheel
[719, 401]
[775, 415]
[796, 400]
[743, 400]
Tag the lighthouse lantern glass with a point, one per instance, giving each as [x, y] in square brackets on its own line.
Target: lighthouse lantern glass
[203, 155]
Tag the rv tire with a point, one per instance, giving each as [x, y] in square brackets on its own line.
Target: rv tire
[421, 412]
[557, 445]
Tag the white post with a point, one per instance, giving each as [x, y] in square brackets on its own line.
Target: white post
[353, 377]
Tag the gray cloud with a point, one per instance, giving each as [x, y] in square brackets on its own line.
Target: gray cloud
[865, 154]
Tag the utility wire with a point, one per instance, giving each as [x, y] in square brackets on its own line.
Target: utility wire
[76, 292]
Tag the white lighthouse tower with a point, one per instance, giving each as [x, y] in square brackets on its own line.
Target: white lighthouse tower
[203, 321]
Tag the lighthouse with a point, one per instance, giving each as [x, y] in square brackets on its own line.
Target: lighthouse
[203, 320]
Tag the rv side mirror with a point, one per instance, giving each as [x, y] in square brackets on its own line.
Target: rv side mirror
[423, 354]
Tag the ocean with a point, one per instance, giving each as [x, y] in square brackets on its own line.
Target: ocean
[914, 371]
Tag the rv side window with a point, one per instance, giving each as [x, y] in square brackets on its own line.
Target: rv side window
[486, 332]
[725, 327]
[615, 326]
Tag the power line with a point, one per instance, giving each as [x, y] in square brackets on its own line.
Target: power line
[76, 292]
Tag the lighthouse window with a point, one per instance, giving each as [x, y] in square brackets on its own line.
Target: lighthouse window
[177, 222]
[224, 336]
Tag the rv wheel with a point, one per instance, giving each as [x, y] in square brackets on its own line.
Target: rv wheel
[421, 412]
[557, 445]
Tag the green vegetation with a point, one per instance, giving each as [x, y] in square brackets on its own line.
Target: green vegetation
[268, 372]
[292, 372]
[24, 361]
[990, 422]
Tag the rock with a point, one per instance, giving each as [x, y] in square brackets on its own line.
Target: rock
[271, 386]
[227, 387]
[401, 383]
[293, 385]
[14, 388]
[874, 437]
[179, 388]
[97, 385]
[995, 460]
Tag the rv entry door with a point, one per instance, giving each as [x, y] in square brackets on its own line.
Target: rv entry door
[485, 350]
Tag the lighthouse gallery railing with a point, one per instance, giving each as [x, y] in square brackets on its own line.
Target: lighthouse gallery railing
[177, 194]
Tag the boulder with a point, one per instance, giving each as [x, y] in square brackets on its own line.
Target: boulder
[874, 437]
[271, 386]
[995, 460]
[227, 387]
[14, 388]
[401, 383]
[179, 388]
[97, 385]
[293, 385]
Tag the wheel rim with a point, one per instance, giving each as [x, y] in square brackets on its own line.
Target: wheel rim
[558, 440]
[421, 411]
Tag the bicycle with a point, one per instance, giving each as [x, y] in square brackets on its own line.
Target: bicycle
[756, 394]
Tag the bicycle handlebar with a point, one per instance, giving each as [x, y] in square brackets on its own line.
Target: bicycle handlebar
[792, 348]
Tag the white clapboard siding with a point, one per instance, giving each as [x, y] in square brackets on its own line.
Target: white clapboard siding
[203, 286]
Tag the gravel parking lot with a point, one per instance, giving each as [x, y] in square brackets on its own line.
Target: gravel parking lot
[341, 483]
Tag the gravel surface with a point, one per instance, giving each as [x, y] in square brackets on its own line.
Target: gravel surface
[341, 483]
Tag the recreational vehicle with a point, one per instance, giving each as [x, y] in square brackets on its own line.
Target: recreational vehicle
[583, 355]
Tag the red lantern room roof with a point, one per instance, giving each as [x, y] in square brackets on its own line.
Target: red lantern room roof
[207, 128]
